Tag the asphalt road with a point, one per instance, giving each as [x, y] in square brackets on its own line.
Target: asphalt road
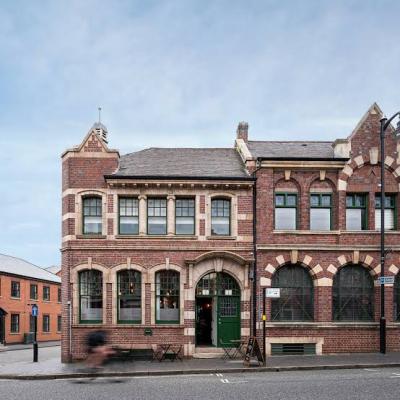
[360, 384]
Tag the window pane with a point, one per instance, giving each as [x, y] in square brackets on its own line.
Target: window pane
[167, 296]
[220, 226]
[349, 201]
[157, 225]
[285, 218]
[184, 226]
[314, 200]
[354, 219]
[320, 219]
[389, 219]
[129, 225]
[93, 225]
[325, 200]
[291, 200]
[279, 200]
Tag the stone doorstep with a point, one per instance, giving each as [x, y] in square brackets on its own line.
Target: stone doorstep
[208, 352]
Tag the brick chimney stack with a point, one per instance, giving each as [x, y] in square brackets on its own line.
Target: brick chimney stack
[243, 131]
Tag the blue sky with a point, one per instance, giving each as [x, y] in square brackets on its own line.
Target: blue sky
[175, 73]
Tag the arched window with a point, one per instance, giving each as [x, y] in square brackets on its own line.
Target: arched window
[91, 296]
[296, 297]
[167, 297]
[397, 298]
[129, 297]
[353, 294]
[92, 216]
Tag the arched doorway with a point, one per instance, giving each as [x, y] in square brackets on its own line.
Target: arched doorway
[217, 310]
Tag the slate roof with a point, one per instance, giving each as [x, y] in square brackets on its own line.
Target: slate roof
[17, 266]
[306, 149]
[182, 162]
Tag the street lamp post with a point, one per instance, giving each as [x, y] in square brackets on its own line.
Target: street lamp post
[385, 122]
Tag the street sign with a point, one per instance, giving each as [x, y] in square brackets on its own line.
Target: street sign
[273, 293]
[386, 280]
[35, 310]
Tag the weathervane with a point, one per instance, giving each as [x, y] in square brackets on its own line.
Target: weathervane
[99, 108]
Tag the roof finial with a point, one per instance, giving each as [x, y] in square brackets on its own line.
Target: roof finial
[99, 108]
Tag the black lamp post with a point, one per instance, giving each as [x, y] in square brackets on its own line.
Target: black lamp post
[385, 122]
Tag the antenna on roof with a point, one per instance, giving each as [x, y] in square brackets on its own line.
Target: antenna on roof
[99, 108]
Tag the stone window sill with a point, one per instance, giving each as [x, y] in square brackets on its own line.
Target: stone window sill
[164, 237]
[91, 236]
[322, 325]
[215, 237]
[306, 232]
[15, 298]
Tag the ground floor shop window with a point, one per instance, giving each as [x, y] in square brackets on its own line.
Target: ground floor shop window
[296, 294]
[14, 323]
[353, 294]
[91, 296]
[129, 297]
[167, 297]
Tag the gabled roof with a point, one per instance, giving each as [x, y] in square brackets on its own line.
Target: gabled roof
[182, 163]
[17, 266]
[288, 150]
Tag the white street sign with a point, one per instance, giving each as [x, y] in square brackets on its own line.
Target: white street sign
[273, 293]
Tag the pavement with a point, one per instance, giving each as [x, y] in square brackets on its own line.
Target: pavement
[19, 365]
[11, 347]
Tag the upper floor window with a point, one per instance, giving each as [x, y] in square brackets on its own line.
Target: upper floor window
[285, 211]
[320, 212]
[353, 294]
[390, 211]
[129, 296]
[92, 215]
[15, 289]
[33, 292]
[356, 212]
[156, 216]
[46, 293]
[184, 216]
[128, 216]
[59, 295]
[91, 296]
[221, 217]
[167, 296]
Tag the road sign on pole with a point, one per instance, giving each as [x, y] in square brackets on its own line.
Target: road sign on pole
[386, 280]
[35, 312]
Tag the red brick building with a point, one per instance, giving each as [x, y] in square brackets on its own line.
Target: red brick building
[158, 245]
[318, 239]
[21, 285]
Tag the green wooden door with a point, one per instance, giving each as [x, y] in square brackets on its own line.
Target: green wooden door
[228, 319]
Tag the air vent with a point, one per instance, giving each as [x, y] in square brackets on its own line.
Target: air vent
[279, 349]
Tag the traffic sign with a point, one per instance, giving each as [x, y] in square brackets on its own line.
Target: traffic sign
[386, 280]
[273, 293]
[35, 310]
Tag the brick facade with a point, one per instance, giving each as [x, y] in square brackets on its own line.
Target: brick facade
[87, 170]
[21, 306]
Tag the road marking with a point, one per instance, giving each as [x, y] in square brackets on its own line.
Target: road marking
[224, 380]
[218, 374]
[371, 370]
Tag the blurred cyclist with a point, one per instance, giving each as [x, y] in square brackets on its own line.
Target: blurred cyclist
[97, 349]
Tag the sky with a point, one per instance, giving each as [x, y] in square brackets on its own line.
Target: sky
[175, 74]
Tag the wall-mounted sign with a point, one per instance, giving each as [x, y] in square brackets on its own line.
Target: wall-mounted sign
[273, 293]
[228, 292]
[386, 280]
